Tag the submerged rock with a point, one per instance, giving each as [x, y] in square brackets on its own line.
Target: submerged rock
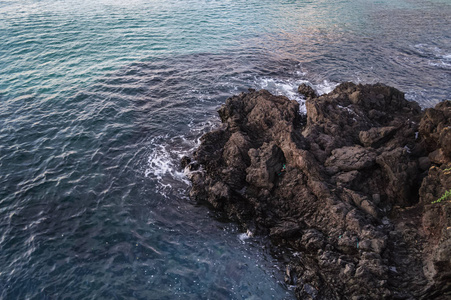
[342, 189]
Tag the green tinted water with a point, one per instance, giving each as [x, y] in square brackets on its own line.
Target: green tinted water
[99, 101]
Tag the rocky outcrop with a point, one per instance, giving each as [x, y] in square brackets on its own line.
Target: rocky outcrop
[435, 129]
[347, 188]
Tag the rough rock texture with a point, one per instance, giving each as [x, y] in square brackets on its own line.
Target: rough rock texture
[347, 190]
[307, 91]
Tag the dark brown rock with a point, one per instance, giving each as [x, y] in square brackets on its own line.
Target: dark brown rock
[351, 158]
[435, 126]
[376, 136]
[307, 91]
[424, 163]
[342, 189]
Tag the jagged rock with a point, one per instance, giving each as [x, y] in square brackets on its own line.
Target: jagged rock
[376, 136]
[435, 128]
[401, 174]
[351, 158]
[436, 219]
[284, 230]
[445, 141]
[266, 164]
[307, 91]
[343, 188]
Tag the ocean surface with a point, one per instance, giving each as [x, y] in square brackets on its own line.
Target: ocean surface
[99, 100]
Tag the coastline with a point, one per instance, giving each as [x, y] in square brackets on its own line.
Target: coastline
[347, 188]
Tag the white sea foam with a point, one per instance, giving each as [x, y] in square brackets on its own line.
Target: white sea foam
[325, 87]
[286, 88]
[441, 64]
[242, 237]
[163, 161]
[435, 56]
[198, 129]
[245, 235]
[289, 88]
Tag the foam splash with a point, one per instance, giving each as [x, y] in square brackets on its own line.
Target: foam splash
[164, 159]
[286, 88]
[199, 129]
[325, 87]
[289, 88]
[435, 56]
[166, 152]
[161, 163]
[245, 236]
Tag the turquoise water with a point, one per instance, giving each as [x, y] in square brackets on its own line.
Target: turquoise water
[99, 101]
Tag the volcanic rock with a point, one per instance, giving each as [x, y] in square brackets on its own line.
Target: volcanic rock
[307, 91]
[349, 190]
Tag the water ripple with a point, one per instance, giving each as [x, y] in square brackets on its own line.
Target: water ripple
[100, 100]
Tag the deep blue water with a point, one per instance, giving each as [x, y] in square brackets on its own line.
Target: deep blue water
[99, 100]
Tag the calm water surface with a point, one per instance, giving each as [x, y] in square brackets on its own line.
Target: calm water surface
[100, 99]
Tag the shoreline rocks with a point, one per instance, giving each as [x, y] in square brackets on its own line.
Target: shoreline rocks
[347, 188]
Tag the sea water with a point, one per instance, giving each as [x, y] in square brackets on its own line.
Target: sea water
[99, 100]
